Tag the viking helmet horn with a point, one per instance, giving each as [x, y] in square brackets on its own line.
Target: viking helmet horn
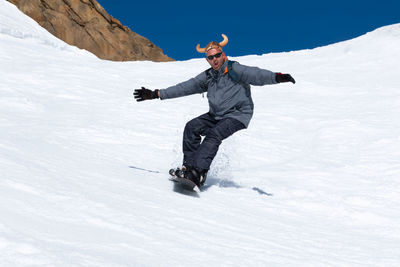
[213, 45]
[225, 41]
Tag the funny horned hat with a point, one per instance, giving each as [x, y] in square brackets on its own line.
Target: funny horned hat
[212, 45]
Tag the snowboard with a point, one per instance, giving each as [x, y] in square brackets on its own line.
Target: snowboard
[183, 182]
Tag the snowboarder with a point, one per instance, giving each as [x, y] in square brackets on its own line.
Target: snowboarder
[227, 84]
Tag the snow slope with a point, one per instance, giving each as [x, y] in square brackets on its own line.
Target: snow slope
[314, 181]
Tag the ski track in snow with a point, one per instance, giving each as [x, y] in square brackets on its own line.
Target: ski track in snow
[314, 181]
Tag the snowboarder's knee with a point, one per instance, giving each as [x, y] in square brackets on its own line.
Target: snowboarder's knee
[194, 126]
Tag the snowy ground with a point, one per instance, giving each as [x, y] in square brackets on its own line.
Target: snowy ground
[314, 181]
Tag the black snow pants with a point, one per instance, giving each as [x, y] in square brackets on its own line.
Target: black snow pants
[200, 154]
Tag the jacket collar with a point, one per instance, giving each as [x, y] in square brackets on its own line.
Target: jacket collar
[221, 70]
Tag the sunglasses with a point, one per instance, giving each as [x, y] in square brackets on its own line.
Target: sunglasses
[211, 57]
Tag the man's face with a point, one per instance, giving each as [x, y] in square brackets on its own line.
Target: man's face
[215, 57]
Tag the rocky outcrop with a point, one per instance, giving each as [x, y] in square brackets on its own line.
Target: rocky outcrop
[85, 24]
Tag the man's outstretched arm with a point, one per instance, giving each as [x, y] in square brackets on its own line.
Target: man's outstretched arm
[189, 87]
[257, 76]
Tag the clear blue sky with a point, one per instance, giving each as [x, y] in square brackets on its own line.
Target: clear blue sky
[253, 27]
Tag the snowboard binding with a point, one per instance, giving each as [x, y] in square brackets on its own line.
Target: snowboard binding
[190, 173]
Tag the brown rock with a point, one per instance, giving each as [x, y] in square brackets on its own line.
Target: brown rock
[85, 24]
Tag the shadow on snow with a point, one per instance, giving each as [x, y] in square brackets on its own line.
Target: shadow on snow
[229, 184]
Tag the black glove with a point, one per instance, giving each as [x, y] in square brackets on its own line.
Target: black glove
[283, 78]
[145, 94]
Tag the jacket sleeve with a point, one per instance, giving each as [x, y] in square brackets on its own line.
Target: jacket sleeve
[254, 75]
[192, 86]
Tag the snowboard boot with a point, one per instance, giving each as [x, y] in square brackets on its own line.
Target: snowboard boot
[197, 177]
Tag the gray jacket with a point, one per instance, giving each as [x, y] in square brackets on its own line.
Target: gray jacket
[226, 97]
